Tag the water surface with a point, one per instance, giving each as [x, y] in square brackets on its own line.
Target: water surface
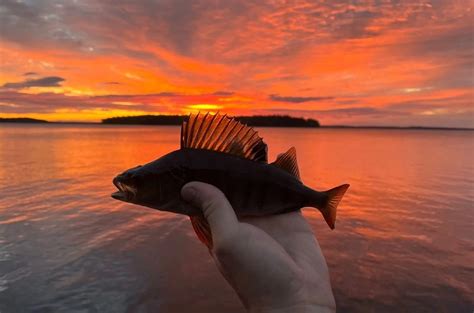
[403, 241]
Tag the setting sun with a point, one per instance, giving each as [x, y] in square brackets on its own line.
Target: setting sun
[236, 156]
[390, 64]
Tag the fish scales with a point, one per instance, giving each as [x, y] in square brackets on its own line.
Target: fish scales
[222, 170]
[221, 151]
[246, 190]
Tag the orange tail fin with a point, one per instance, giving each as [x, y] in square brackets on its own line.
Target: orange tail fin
[330, 209]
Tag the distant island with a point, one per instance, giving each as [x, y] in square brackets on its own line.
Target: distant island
[21, 120]
[256, 120]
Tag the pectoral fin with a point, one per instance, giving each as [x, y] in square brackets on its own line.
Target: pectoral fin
[202, 229]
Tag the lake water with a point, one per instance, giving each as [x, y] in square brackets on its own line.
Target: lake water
[404, 239]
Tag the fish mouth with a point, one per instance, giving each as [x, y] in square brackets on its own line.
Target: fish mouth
[125, 192]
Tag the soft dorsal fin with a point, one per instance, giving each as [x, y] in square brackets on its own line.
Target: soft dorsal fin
[223, 134]
[287, 162]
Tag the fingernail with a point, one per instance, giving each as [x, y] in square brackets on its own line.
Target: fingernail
[188, 193]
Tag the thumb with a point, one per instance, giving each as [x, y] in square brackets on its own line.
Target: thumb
[215, 207]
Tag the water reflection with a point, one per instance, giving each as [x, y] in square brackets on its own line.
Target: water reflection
[403, 240]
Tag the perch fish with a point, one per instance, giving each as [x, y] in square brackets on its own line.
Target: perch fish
[223, 152]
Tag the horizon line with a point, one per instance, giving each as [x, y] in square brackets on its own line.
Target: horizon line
[413, 127]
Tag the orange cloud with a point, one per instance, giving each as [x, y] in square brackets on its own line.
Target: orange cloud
[392, 63]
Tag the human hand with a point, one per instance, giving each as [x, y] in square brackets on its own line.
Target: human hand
[274, 263]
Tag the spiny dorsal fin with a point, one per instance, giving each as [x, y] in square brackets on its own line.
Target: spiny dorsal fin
[223, 134]
[287, 162]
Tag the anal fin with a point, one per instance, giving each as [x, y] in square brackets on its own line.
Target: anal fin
[202, 229]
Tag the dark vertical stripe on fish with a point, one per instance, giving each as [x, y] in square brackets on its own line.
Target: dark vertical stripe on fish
[261, 197]
[245, 194]
[223, 183]
[251, 200]
[284, 196]
[234, 193]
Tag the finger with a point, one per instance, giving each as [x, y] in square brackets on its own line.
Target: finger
[290, 230]
[215, 208]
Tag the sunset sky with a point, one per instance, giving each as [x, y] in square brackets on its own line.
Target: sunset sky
[354, 63]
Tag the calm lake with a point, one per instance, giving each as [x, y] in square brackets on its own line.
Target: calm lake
[403, 242]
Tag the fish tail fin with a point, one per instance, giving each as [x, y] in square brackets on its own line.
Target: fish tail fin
[329, 210]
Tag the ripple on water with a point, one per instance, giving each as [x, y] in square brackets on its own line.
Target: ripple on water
[403, 239]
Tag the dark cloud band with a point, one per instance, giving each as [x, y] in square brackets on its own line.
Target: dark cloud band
[293, 99]
[49, 81]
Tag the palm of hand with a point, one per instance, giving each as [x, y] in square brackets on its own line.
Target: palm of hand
[275, 263]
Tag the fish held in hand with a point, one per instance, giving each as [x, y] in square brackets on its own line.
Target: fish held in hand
[223, 152]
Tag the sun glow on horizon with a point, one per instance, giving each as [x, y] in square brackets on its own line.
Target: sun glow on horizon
[356, 64]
